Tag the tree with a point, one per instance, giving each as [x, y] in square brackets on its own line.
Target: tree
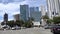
[30, 19]
[29, 23]
[19, 23]
[10, 23]
[49, 21]
[2, 23]
[45, 17]
[56, 20]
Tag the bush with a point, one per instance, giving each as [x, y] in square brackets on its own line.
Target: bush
[10, 23]
[19, 23]
[56, 20]
[49, 21]
[28, 24]
[45, 17]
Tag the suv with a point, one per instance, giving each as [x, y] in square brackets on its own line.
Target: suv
[56, 29]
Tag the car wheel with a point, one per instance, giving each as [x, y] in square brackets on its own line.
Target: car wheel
[55, 33]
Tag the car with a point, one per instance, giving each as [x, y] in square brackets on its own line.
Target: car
[48, 26]
[16, 28]
[13, 28]
[56, 29]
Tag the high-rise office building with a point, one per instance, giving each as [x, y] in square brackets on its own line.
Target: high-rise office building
[35, 14]
[53, 8]
[43, 10]
[57, 10]
[5, 18]
[34, 9]
[24, 12]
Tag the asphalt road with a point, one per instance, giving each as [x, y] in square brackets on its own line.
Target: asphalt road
[27, 31]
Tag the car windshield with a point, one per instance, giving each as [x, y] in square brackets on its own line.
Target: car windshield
[56, 26]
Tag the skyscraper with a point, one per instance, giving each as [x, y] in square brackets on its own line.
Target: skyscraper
[34, 9]
[35, 14]
[24, 12]
[5, 18]
[57, 7]
[43, 10]
[53, 8]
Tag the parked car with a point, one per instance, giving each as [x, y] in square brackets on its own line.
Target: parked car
[16, 28]
[56, 29]
[48, 26]
[13, 28]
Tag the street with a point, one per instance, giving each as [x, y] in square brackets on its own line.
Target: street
[35, 30]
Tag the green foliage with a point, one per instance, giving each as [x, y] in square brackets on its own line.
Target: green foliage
[14, 23]
[19, 23]
[2, 23]
[10, 23]
[56, 20]
[28, 24]
[49, 21]
[31, 19]
[45, 17]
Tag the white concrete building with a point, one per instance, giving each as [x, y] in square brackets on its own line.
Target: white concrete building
[57, 7]
[43, 10]
[53, 8]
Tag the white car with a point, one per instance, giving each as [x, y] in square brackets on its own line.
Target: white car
[13, 28]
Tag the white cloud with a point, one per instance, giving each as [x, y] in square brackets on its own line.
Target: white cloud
[10, 8]
[14, 8]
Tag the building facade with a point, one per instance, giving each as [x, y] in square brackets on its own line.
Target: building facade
[24, 12]
[36, 16]
[34, 9]
[53, 8]
[43, 10]
[17, 17]
[5, 18]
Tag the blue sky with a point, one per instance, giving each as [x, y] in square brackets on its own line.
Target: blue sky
[13, 7]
